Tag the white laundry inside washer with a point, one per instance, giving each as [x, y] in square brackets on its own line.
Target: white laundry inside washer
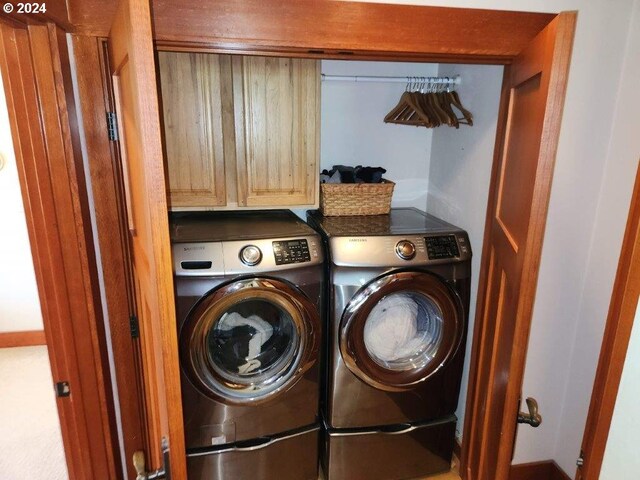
[261, 332]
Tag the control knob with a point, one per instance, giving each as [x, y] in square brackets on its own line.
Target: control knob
[250, 255]
[405, 249]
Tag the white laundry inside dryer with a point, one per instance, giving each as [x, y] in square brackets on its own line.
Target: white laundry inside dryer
[401, 328]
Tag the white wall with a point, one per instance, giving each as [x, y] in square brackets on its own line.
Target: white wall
[587, 212]
[19, 303]
[460, 173]
[621, 459]
[353, 132]
[616, 187]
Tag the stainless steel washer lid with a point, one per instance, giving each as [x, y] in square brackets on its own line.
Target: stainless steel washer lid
[192, 227]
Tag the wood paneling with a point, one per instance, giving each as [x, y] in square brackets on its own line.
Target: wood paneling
[335, 27]
[531, 110]
[197, 105]
[106, 179]
[37, 81]
[56, 12]
[134, 74]
[28, 338]
[622, 311]
[547, 470]
[277, 131]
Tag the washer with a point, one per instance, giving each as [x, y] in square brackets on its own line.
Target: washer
[249, 303]
[398, 298]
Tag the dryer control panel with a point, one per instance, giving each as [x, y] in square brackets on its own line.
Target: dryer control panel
[442, 246]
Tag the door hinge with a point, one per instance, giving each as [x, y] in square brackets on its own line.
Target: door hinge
[112, 126]
[580, 460]
[134, 326]
[63, 389]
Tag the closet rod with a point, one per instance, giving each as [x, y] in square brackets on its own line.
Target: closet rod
[408, 79]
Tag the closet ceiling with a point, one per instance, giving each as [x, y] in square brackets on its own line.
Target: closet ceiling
[329, 28]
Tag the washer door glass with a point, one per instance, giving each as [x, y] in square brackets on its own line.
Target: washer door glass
[249, 340]
[401, 329]
[252, 341]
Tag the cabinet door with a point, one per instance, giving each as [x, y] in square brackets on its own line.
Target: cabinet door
[277, 106]
[135, 90]
[198, 117]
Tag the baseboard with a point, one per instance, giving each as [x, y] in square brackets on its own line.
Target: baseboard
[28, 338]
[457, 449]
[547, 470]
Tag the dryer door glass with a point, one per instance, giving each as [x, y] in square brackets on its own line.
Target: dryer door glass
[404, 331]
[249, 340]
[401, 329]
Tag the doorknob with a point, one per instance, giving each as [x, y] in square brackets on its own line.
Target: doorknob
[532, 418]
[142, 474]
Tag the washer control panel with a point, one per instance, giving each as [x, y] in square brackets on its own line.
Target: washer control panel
[250, 255]
[291, 251]
[242, 256]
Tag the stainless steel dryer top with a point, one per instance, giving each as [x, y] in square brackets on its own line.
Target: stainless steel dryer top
[405, 237]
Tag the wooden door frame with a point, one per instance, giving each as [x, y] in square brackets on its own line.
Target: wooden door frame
[617, 333]
[37, 80]
[359, 31]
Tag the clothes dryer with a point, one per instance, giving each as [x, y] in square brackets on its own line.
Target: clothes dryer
[249, 301]
[398, 300]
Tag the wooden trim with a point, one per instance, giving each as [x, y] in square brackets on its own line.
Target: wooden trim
[330, 29]
[347, 29]
[622, 310]
[37, 81]
[95, 101]
[546, 470]
[27, 338]
[56, 13]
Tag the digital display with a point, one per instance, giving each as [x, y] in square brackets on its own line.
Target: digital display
[291, 251]
[444, 246]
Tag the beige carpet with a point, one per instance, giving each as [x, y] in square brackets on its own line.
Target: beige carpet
[30, 439]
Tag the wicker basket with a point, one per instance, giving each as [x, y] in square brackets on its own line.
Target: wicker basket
[338, 199]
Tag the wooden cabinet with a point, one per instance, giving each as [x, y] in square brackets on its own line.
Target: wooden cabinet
[196, 90]
[240, 131]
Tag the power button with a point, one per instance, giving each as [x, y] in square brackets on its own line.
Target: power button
[405, 249]
[250, 255]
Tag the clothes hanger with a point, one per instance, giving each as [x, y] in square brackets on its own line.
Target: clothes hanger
[454, 100]
[444, 104]
[407, 112]
[442, 115]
